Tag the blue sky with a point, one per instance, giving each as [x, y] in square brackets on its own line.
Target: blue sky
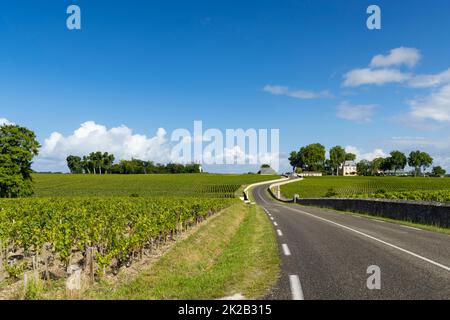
[232, 64]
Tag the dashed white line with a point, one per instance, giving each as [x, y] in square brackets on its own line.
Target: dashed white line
[275, 224]
[296, 288]
[271, 218]
[286, 250]
[279, 232]
[411, 228]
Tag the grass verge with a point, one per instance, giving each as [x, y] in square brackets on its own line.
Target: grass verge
[234, 252]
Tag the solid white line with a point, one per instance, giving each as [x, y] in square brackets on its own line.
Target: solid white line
[279, 232]
[375, 239]
[286, 250]
[275, 224]
[411, 228]
[262, 198]
[296, 288]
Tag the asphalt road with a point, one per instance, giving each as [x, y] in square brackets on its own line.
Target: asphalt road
[326, 254]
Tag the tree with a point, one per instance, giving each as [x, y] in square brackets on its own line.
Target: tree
[74, 164]
[337, 157]
[294, 160]
[312, 157]
[376, 165]
[386, 165]
[18, 146]
[107, 161]
[350, 157]
[438, 171]
[426, 160]
[364, 168]
[86, 165]
[398, 160]
[328, 169]
[419, 160]
[415, 161]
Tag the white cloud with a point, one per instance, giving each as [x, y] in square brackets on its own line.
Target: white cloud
[358, 77]
[435, 107]
[358, 113]
[381, 71]
[396, 57]
[299, 94]
[4, 121]
[90, 137]
[419, 142]
[361, 155]
[430, 80]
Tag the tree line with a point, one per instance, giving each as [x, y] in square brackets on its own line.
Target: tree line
[103, 163]
[313, 158]
[18, 146]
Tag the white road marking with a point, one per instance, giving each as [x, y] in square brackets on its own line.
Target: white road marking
[411, 228]
[286, 250]
[378, 220]
[375, 239]
[275, 224]
[271, 218]
[262, 198]
[296, 288]
[279, 232]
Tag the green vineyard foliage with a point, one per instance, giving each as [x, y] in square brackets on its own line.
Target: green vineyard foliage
[117, 227]
[420, 188]
[442, 196]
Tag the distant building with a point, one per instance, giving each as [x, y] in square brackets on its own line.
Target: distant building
[267, 171]
[398, 173]
[349, 168]
[310, 174]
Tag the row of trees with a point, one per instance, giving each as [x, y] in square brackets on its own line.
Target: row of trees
[312, 158]
[18, 146]
[95, 162]
[397, 160]
[103, 163]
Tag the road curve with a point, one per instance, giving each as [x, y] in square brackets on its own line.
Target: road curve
[326, 255]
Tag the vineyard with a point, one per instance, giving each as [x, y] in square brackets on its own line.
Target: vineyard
[98, 224]
[442, 196]
[352, 186]
[55, 234]
[198, 185]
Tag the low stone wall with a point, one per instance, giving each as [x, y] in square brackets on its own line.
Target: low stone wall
[413, 211]
[281, 198]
